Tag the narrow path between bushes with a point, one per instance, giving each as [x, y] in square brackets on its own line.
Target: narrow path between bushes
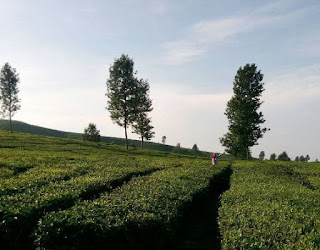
[200, 229]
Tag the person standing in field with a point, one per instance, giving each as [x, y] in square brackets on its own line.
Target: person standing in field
[215, 158]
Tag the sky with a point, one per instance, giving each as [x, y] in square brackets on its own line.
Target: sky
[188, 50]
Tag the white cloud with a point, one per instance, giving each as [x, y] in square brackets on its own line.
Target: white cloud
[295, 85]
[178, 51]
[211, 31]
[202, 35]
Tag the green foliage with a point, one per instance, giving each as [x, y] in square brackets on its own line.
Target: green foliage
[145, 210]
[273, 157]
[9, 80]
[163, 140]
[91, 133]
[39, 175]
[303, 159]
[27, 128]
[242, 112]
[284, 156]
[142, 123]
[122, 86]
[143, 128]
[297, 159]
[195, 149]
[177, 149]
[128, 99]
[307, 158]
[261, 155]
[271, 205]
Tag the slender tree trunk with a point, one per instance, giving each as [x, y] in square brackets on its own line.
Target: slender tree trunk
[10, 123]
[125, 132]
[247, 149]
[10, 109]
[141, 141]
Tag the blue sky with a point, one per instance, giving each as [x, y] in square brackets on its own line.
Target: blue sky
[188, 50]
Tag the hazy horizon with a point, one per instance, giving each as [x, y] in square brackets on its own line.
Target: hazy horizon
[188, 50]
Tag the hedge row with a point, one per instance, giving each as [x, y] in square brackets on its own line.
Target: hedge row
[20, 212]
[6, 173]
[40, 176]
[269, 207]
[55, 171]
[143, 212]
[310, 172]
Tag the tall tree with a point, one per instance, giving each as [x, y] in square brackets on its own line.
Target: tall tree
[91, 133]
[302, 159]
[242, 112]
[261, 155]
[164, 138]
[122, 86]
[143, 128]
[9, 80]
[296, 159]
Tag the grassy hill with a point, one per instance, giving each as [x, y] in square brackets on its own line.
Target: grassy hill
[37, 130]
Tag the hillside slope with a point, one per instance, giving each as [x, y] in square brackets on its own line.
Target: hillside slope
[37, 130]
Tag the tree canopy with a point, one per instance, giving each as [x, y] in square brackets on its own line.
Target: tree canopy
[284, 156]
[304, 159]
[273, 157]
[195, 147]
[143, 128]
[91, 133]
[261, 155]
[142, 123]
[164, 138]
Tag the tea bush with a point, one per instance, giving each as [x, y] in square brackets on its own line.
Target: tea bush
[268, 206]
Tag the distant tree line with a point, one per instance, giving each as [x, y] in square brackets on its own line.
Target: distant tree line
[302, 158]
[284, 157]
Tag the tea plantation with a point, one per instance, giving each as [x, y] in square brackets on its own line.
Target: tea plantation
[62, 193]
[69, 194]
